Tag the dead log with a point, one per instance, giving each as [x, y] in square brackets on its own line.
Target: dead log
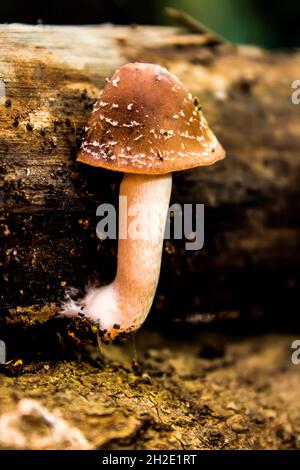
[50, 77]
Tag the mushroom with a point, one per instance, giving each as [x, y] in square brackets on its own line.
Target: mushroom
[146, 125]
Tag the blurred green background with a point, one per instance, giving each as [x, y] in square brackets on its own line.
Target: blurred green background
[268, 23]
[245, 21]
[273, 24]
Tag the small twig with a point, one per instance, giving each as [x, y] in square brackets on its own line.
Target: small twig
[193, 25]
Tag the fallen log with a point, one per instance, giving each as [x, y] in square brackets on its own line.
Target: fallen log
[50, 77]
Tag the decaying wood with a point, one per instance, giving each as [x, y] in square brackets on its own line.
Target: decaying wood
[51, 77]
[243, 395]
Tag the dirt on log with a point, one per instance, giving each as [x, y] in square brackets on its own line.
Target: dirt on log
[50, 77]
[205, 393]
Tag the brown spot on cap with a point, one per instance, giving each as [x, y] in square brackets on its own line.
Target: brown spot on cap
[147, 113]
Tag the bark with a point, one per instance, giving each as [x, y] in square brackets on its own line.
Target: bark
[51, 77]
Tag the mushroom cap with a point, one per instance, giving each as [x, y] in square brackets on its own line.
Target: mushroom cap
[146, 122]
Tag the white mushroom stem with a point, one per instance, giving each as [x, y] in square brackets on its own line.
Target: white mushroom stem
[124, 304]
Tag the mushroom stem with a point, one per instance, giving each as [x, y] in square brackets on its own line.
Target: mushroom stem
[123, 305]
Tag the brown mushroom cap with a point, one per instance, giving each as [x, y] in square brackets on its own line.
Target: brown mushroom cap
[146, 122]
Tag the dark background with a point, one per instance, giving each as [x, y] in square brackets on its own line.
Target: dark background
[273, 24]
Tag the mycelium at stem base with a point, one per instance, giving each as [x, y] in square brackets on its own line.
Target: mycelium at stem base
[123, 305]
